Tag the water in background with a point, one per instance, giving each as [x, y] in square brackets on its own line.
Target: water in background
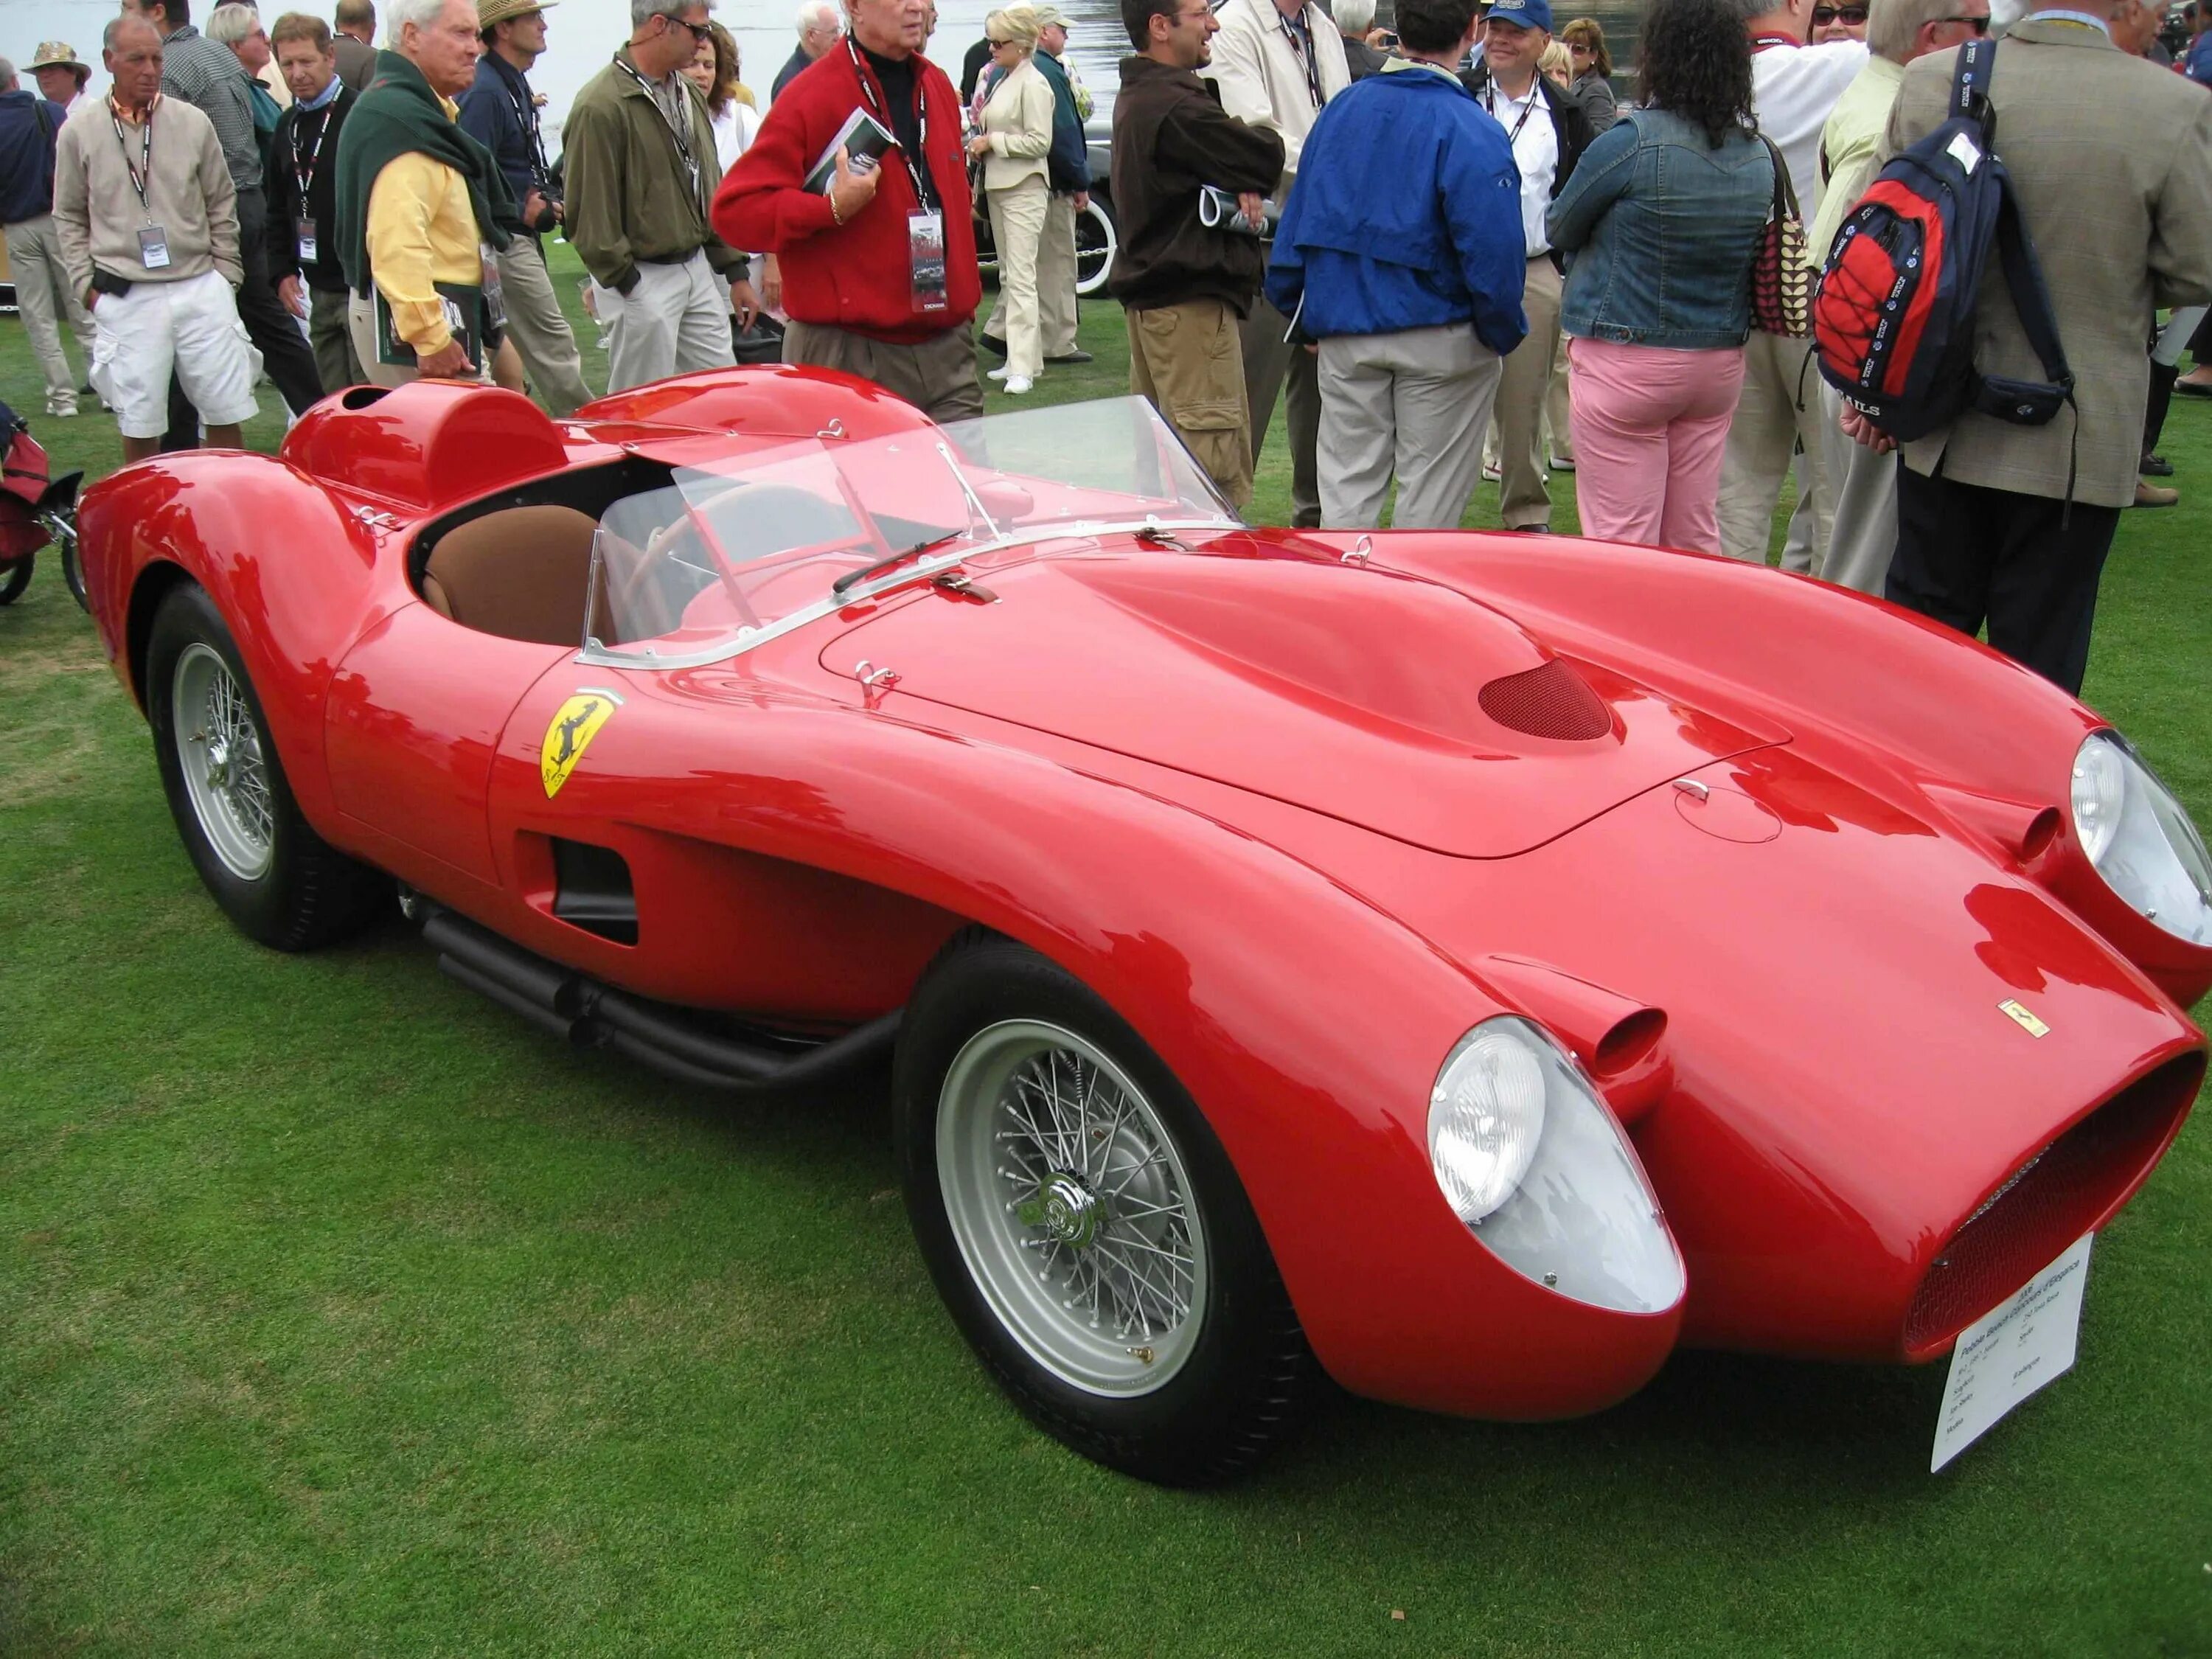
[584, 33]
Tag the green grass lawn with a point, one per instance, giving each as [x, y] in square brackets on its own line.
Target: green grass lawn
[341, 1313]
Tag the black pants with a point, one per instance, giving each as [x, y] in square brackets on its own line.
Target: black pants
[2022, 563]
[273, 329]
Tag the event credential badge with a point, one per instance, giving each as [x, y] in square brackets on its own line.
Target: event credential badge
[925, 247]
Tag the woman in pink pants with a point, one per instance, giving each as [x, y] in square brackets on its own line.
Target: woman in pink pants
[1661, 222]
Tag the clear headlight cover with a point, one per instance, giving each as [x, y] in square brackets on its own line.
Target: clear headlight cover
[1529, 1157]
[2139, 839]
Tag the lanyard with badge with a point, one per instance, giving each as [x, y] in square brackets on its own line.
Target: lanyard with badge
[303, 175]
[683, 139]
[1302, 49]
[925, 226]
[1535, 97]
[153, 240]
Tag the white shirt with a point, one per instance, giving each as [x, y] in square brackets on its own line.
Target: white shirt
[735, 129]
[1792, 90]
[1528, 123]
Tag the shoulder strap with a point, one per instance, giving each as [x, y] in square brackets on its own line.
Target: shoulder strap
[1970, 93]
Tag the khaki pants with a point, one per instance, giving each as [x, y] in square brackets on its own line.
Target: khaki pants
[1863, 536]
[42, 294]
[1559, 407]
[1767, 426]
[1017, 217]
[1524, 497]
[1414, 403]
[360, 319]
[1056, 283]
[936, 376]
[674, 320]
[1189, 361]
[540, 329]
[330, 337]
[1269, 361]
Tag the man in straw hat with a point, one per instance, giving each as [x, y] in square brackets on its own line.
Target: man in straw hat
[29, 127]
[60, 77]
[500, 111]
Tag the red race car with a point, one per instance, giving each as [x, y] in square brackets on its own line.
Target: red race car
[1469, 966]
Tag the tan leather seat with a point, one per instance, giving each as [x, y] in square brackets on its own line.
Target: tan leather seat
[520, 572]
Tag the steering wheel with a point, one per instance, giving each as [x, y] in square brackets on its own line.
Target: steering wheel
[641, 598]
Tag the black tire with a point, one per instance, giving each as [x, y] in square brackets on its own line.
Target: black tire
[308, 894]
[73, 565]
[1245, 1373]
[16, 578]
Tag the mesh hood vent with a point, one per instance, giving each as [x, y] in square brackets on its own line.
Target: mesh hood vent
[1550, 700]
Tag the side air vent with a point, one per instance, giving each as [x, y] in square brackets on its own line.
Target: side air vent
[2049, 1201]
[1550, 700]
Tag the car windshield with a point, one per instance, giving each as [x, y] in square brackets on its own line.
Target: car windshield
[726, 555]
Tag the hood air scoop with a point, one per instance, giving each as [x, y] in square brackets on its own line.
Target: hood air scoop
[1392, 702]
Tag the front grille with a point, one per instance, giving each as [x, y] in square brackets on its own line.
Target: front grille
[1552, 700]
[2048, 1202]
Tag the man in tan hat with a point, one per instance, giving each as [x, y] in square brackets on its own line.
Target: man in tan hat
[60, 77]
[29, 131]
[500, 111]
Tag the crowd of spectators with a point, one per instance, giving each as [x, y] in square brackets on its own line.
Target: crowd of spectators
[1453, 236]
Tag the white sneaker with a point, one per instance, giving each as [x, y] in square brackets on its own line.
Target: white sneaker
[1018, 384]
[60, 407]
[997, 374]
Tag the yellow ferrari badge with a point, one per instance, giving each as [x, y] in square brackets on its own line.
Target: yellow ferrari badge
[574, 723]
[2018, 1014]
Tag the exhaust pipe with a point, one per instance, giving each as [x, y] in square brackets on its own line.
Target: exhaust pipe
[590, 1015]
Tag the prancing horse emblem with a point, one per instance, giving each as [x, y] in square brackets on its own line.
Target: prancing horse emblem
[574, 723]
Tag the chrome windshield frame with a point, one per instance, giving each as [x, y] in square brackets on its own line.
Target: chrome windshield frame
[596, 655]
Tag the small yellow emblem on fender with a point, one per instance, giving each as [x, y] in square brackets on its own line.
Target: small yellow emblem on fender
[574, 723]
[2018, 1014]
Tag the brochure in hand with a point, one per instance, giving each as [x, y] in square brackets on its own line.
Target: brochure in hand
[1217, 210]
[863, 138]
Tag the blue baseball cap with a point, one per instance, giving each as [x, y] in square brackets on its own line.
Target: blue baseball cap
[1521, 14]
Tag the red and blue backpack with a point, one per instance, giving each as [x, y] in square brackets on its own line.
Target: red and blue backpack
[1894, 322]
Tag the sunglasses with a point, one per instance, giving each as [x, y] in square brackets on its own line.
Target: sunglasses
[700, 33]
[1979, 25]
[1824, 16]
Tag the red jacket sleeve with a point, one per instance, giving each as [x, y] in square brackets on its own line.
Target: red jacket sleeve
[761, 206]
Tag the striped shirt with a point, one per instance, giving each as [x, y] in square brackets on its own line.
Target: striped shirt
[210, 78]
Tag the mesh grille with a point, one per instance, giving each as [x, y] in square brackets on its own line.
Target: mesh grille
[1552, 700]
[2050, 1201]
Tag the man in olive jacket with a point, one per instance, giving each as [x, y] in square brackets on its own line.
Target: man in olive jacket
[641, 175]
[1185, 288]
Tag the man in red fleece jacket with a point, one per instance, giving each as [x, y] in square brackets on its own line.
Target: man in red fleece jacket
[879, 276]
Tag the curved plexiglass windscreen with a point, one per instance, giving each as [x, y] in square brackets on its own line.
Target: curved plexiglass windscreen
[725, 556]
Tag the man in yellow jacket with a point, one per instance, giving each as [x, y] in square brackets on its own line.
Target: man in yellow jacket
[419, 203]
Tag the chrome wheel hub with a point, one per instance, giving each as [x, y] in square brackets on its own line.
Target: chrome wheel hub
[1072, 1206]
[219, 752]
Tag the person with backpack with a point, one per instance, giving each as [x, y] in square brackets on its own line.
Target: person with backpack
[1864, 533]
[2110, 160]
[1659, 225]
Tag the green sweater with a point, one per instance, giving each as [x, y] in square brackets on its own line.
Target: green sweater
[398, 114]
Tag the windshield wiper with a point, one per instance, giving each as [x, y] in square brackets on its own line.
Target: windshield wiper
[852, 579]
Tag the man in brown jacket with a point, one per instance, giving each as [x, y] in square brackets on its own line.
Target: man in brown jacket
[1186, 286]
[641, 174]
[2112, 159]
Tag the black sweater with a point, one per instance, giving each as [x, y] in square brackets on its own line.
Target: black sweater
[316, 134]
[1171, 136]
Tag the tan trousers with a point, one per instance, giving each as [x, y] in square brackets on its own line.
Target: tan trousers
[1017, 216]
[539, 329]
[1189, 361]
[361, 318]
[1767, 427]
[1863, 535]
[1557, 408]
[1275, 369]
[330, 337]
[42, 294]
[1413, 404]
[937, 375]
[1056, 283]
[1524, 497]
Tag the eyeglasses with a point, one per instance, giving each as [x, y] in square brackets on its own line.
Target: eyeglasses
[1979, 25]
[1824, 16]
[1577, 49]
[700, 33]
[994, 43]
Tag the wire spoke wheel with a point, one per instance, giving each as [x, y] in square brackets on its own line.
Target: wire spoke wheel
[1073, 1207]
[226, 775]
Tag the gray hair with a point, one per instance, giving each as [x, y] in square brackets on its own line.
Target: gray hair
[230, 23]
[819, 13]
[1746, 10]
[1892, 26]
[422, 13]
[642, 12]
[128, 19]
[1354, 17]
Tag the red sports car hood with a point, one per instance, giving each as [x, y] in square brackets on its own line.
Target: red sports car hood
[1418, 713]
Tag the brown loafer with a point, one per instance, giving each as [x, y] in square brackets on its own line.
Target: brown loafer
[2151, 495]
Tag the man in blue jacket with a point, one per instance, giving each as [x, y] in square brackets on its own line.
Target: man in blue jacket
[500, 111]
[1409, 275]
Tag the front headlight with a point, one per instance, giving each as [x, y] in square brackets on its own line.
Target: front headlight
[2139, 839]
[1528, 1156]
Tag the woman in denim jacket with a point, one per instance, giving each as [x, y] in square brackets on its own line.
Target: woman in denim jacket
[1660, 224]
